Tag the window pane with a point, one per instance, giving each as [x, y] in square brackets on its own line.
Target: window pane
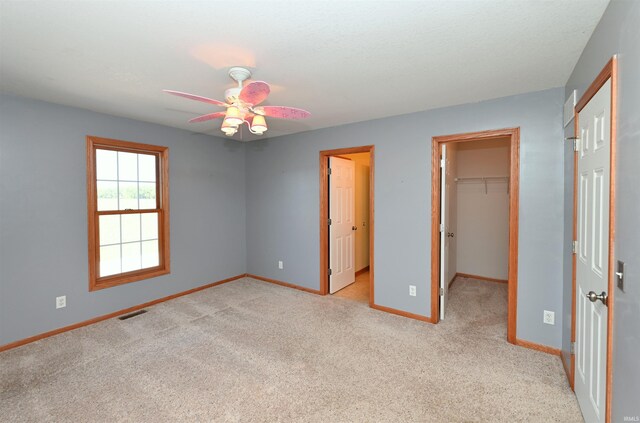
[128, 195]
[146, 167]
[109, 229]
[106, 164]
[127, 166]
[150, 226]
[126, 229]
[147, 196]
[107, 195]
[130, 257]
[130, 227]
[150, 254]
[109, 260]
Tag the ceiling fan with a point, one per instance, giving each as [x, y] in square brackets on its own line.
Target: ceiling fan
[242, 105]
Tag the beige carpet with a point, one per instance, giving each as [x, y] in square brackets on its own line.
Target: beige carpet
[251, 351]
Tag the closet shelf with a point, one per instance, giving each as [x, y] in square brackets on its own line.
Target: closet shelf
[484, 180]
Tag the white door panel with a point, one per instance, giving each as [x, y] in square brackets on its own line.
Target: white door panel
[342, 215]
[592, 262]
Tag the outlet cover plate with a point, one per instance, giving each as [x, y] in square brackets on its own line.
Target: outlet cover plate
[412, 290]
[61, 302]
[280, 265]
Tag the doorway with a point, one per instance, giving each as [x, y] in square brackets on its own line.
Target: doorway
[474, 245]
[442, 182]
[347, 222]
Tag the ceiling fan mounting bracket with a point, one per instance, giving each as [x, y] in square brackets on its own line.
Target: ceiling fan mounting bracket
[239, 74]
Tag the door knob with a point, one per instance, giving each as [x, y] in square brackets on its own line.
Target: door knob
[593, 297]
[354, 228]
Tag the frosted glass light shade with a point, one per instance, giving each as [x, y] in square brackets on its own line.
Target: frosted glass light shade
[233, 118]
[228, 129]
[258, 124]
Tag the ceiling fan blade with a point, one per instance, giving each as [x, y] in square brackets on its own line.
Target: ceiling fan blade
[254, 92]
[210, 116]
[282, 112]
[197, 98]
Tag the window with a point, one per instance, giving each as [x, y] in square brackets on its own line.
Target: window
[128, 211]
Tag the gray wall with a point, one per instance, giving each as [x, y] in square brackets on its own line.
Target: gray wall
[283, 202]
[43, 218]
[619, 33]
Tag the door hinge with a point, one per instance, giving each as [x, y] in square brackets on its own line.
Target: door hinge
[329, 222]
[572, 348]
[574, 247]
[330, 272]
[575, 142]
[329, 171]
[442, 227]
[442, 292]
[441, 162]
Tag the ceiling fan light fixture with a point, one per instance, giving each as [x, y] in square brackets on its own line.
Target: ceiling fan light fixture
[229, 130]
[242, 105]
[258, 125]
[232, 117]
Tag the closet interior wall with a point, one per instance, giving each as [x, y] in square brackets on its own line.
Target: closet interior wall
[482, 208]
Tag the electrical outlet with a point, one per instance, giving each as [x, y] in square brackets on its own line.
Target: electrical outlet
[280, 265]
[412, 290]
[61, 302]
[549, 317]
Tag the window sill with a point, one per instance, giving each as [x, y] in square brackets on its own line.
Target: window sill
[124, 278]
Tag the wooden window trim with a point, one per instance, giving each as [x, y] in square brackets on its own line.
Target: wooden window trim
[162, 197]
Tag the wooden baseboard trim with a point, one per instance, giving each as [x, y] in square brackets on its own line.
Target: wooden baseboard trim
[285, 284]
[482, 278]
[363, 270]
[567, 370]
[538, 347]
[452, 279]
[314, 291]
[402, 313]
[58, 331]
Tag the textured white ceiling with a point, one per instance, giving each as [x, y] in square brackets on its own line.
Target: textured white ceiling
[344, 61]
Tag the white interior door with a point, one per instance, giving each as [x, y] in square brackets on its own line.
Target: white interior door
[592, 261]
[342, 227]
[445, 182]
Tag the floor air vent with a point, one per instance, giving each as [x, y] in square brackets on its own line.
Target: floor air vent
[134, 314]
